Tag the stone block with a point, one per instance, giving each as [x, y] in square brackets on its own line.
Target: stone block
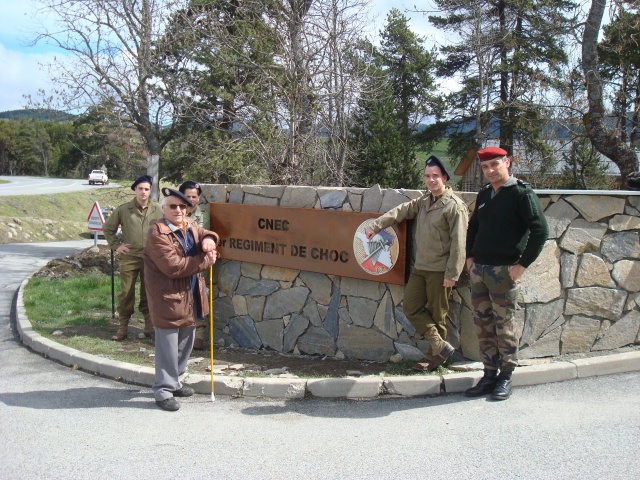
[408, 352]
[239, 303]
[413, 386]
[468, 337]
[547, 373]
[608, 364]
[217, 193]
[286, 388]
[364, 387]
[332, 198]
[355, 200]
[223, 311]
[397, 293]
[541, 281]
[251, 270]
[620, 223]
[362, 288]
[362, 311]
[568, 269]
[402, 320]
[596, 207]
[86, 361]
[538, 317]
[311, 311]
[279, 274]
[236, 194]
[222, 385]
[393, 198]
[633, 301]
[627, 274]
[320, 286]
[384, 320]
[459, 382]
[592, 272]
[582, 236]
[250, 199]
[317, 341]
[115, 369]
[271, 333]
[579, 334]
[296, 327]
[227, 277]
[559, 215]
[270, 191]
[372, 199]
[547, 346]
[331, 320]
[595, 301]
[622, 332]
[256, 288]
[364, 343]
[303, 197]
[617, 246]
[243, 330]
[255, 307]
[286, 302]
[61, 353]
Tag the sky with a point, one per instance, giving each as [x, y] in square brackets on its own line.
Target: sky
[22, 73]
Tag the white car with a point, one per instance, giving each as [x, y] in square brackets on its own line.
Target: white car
[98, 176]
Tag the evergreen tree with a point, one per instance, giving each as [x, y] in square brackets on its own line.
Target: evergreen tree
[620, 67]
[397, 97]
[506, 55]
[377, 133]
[583, 168]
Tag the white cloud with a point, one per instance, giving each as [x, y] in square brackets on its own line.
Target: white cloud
[21, 75]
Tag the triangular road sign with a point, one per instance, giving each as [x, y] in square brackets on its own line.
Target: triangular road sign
[95, 218]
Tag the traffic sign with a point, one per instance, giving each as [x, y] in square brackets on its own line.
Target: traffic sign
[95, 219]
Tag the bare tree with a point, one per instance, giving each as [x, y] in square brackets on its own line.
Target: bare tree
[275, 77]
[109, 58]
[604, 140]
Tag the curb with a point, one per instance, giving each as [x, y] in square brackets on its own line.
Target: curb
[298, 388]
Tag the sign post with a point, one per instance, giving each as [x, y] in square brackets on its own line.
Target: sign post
[95, 219]
[323, 241]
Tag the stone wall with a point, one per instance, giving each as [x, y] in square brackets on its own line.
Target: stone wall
[582, 293]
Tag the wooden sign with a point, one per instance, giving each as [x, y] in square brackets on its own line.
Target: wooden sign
[324, 241]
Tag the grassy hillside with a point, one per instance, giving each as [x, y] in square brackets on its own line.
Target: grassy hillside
[63, 216]
[37, 114]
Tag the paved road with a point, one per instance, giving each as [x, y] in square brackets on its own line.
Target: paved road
[42, 185]
[57, 423]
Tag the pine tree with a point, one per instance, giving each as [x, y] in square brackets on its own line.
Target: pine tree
[398, 96]
[506, 55]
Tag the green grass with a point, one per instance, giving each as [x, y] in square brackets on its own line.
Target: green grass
[106, 348]
[4, 181]
[78, 300]
[62, 206]
[80, 306]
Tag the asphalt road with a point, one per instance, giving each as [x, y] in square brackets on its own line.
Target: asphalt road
[57, 423]
[42, 185]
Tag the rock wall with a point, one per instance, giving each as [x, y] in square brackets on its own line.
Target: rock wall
[582, 294]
